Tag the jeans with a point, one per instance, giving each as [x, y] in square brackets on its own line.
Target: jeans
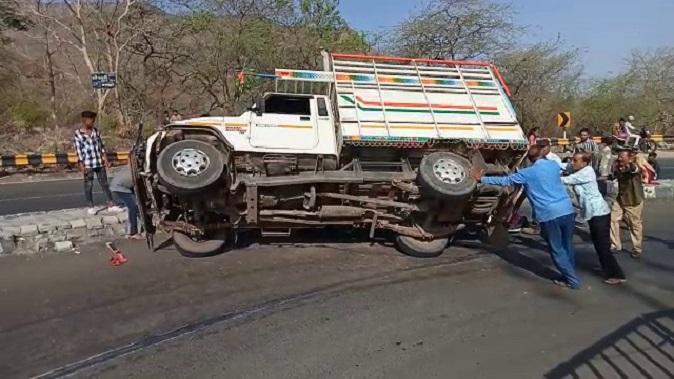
[89, 184]
[600, 230]
[558, 233]
[129, 201]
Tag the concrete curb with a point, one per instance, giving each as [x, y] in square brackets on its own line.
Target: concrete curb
[61, 230]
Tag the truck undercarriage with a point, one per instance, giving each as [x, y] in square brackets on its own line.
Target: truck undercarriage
[411, 191]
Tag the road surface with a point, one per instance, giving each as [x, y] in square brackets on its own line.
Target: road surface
[331, 309]
[68, 193]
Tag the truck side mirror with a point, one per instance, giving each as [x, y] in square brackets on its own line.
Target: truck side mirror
[259, 105]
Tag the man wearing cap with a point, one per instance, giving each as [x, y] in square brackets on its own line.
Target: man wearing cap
[92, 160]
[552, 205]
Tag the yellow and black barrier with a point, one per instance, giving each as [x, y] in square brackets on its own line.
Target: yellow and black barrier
[49, 159]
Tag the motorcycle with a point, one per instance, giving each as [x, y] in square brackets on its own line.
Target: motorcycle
[646, 143]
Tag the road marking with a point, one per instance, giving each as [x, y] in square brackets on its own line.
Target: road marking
[46, 197]
[41, 181]
[268, 307]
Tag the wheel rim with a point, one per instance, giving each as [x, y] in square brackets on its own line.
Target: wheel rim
[190, 162]
[448, 171]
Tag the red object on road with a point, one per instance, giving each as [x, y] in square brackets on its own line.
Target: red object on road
[118, 258]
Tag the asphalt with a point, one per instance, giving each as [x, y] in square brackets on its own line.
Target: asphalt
[58, 193]
[328, 308]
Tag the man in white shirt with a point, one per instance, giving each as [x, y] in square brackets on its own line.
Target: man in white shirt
[627, 128]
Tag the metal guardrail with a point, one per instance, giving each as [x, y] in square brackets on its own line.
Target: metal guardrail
[50, 159]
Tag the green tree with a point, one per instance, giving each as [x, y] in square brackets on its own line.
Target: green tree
[457, 29]
[544, 79]
[645, 90]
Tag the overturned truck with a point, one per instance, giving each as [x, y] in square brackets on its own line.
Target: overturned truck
[380, 143]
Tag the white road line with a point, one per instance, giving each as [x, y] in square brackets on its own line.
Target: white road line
[42, 181]
[47, 197]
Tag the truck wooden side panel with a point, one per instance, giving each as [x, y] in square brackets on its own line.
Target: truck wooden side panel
[380, 98]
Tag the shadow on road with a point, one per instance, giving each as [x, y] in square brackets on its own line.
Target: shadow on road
[526, 262]
[668, 243]
[536, 258]
[644, 347]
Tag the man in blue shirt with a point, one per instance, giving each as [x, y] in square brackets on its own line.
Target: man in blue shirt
[552, 207]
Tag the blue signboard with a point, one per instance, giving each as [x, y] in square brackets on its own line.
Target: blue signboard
[103, 80]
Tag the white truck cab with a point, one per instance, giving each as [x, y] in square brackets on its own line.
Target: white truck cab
[278, 123]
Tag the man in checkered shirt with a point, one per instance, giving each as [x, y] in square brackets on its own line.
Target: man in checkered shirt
[588, 146]
[92, 160]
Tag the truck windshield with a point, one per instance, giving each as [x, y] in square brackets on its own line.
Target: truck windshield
[283, 104]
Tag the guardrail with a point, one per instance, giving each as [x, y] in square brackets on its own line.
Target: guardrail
[49, 159]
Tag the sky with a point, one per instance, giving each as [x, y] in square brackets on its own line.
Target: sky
[605, 31]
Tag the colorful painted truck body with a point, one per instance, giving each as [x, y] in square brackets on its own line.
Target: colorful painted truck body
[381, 143]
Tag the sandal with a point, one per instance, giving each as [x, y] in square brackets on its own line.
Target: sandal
[614, 281]
[561, 283]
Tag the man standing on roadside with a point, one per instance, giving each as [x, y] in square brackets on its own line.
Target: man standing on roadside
[588, 146]
[629, 204]
[92, 160]
[122, 186]
[552, 205]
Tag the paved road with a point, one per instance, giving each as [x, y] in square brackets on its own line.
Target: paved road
[61, 194]
[46, 195]
[333, 309]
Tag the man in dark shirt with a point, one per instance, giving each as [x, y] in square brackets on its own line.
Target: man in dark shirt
[122, 186]
[629, 204]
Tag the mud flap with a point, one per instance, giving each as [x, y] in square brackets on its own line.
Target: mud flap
[496, 235]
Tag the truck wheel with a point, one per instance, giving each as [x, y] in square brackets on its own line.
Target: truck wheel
[443, 174]
[196, 249]
[421, 248]
[190, 165]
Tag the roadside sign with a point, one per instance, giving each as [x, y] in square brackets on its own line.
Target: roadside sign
[103, 80]
[564, 119]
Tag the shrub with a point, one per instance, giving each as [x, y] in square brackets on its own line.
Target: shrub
[28, 114]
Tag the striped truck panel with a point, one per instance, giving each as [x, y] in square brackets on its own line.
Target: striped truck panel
[405, 98]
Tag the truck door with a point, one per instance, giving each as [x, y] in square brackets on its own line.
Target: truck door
[286, 122]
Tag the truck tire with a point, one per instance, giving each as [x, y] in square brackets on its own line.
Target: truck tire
[190, 165]
[188, 247]
[421, 249]
[444, 174]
